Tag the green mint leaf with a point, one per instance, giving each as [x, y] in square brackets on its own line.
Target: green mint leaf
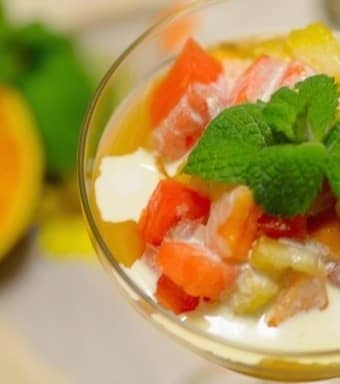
[282, 112]
[244, 123]
[304, 113]
[332, 143]
[229, 143]
[285, 179]
[221, 160]
[238, 147]
[319, 94]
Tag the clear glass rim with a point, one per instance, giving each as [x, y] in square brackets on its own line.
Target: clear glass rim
[94, 230]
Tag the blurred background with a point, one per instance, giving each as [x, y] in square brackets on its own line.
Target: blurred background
[61, 319]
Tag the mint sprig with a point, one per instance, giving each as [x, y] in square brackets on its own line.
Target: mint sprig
[282, 113]
[230, 143]
[282, 149]
[319, 95]
[285, 179]
[332, 143]
[306, 112]
[244, 123]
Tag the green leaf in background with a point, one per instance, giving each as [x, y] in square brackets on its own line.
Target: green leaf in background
[45, 66]
[58, 92]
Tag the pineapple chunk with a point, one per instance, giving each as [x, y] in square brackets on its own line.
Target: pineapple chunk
[124, 240]
[227, 51]
[277, 256]
[303, 294]
[253, 291]
[316, 46]
[275, 47]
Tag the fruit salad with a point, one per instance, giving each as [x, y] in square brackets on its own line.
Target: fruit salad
[217, 187]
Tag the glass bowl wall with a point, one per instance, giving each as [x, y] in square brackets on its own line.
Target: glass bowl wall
[216, 21]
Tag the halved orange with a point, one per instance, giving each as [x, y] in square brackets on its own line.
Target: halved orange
[21, 168]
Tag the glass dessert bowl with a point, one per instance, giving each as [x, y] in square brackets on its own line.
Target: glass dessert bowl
[246, 276]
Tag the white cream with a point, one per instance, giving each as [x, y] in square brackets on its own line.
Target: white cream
[145, 277]
[125, 185]
[309, 331]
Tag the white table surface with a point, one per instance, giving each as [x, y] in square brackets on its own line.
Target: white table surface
[70, 314]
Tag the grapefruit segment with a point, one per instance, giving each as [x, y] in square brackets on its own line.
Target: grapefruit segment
[21, 170]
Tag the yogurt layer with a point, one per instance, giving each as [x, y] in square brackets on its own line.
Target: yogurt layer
[125, 185]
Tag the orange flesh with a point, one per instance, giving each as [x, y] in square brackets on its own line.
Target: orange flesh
[10, 174]
[240, 228]
[329, 235]
[21, 173]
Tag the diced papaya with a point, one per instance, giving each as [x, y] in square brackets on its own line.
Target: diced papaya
[195, 269]
[193, 65]
[173, 297]
[170, 203]
[181, 129]
[277, 256]
[303, 294]
[252, 292]
[184, 125]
